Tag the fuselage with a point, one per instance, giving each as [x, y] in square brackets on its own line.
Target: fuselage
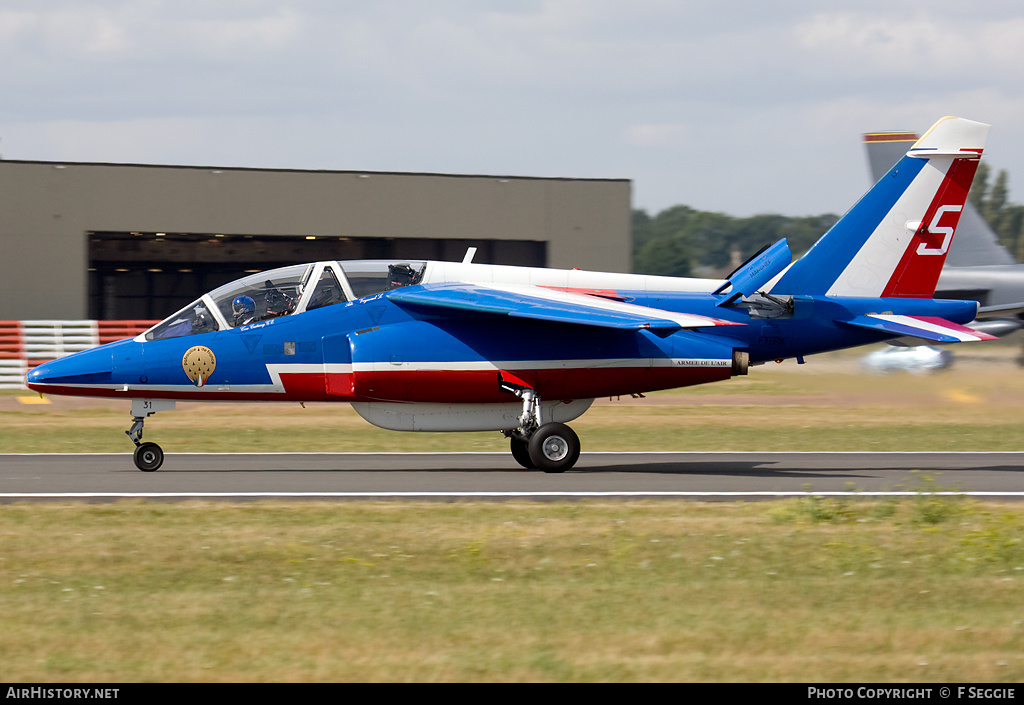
[324, 334]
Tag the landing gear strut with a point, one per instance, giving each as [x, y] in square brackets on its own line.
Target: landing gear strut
[551, 447]
[148, 456]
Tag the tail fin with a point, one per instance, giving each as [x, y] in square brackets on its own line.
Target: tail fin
[894, 241]
[975, 243]
[885, 149]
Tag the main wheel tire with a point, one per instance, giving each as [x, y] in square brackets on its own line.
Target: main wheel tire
[554, 447]
[148, 457]
[521, 452]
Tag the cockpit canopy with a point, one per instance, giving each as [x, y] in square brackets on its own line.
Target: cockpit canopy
[285, 292]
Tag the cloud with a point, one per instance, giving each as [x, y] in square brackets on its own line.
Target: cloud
[739, 106]
[663, 135]
[914, 45]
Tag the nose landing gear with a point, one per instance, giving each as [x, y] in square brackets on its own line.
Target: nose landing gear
[148, 457]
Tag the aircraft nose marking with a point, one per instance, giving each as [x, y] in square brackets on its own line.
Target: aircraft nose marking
[199, 362]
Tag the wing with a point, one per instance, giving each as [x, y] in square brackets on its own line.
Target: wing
[936, 330]
[543, 304]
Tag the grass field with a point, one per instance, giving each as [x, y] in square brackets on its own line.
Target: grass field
[922, 590]
[802, 591]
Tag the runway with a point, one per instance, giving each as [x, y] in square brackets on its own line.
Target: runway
[495, 476]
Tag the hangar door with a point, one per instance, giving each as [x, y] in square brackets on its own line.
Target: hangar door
[149, 275]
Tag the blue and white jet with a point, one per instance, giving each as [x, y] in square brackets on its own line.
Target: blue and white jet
[459, 346]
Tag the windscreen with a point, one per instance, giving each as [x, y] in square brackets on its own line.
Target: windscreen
[255, 298]
[191, 320]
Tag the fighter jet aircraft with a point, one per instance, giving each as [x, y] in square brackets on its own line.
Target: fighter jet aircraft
[460, 346]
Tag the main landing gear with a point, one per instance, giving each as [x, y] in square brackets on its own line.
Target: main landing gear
[148, 456]
[551, 447]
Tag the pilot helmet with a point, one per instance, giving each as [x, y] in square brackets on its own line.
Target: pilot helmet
[243, 306]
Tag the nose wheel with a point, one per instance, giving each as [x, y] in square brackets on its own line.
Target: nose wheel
[148, 457]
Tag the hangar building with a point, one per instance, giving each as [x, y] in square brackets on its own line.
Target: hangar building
[129, 241]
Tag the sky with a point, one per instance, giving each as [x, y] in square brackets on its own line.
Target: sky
[741, 107]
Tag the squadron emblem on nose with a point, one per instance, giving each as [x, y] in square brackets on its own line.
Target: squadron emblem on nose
[199, 362]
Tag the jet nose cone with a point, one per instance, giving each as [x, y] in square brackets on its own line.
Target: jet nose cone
[42, 374]
[88, 368]
[37, 375]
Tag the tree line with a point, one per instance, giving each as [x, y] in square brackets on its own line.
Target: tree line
[1005, 218]
[681, 241]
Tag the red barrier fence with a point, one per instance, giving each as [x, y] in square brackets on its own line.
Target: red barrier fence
[25, 344]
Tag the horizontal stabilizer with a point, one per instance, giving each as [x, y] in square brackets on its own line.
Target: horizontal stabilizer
[756, 272]
[543, 304]
[936, 330]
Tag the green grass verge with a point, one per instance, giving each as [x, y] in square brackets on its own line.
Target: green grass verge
[807, 590]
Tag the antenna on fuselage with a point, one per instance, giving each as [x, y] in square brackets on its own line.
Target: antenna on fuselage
[470, 252]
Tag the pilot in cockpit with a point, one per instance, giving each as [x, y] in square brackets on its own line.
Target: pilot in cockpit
[278, 302]
[401, 275]
[244, 310]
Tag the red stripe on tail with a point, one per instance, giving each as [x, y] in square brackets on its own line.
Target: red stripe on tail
[918, 270]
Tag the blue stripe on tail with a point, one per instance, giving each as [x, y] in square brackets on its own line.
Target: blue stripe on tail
[820, 267]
